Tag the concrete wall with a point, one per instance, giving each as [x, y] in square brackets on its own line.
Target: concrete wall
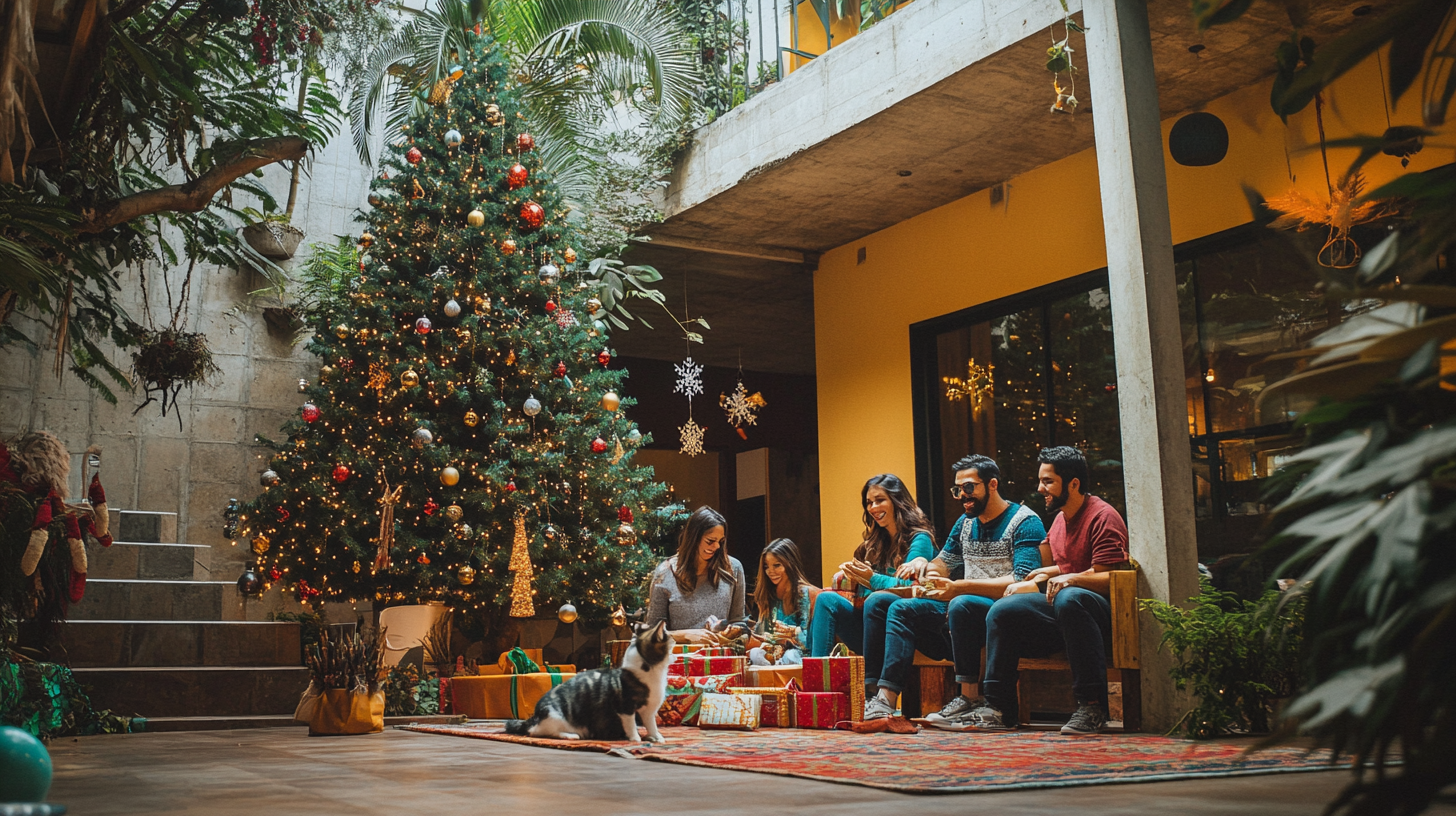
[148, 462]
[1049, 228]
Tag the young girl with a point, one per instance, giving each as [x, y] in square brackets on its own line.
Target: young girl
[785, 601]
[898, 542]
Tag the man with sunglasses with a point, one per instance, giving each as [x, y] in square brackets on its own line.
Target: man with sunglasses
[994, 544]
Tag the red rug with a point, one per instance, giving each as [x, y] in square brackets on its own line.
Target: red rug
[938, 761]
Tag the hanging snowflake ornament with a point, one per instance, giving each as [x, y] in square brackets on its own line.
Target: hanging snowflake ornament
[692, 438]
[689, 379]
[564, 318]
[741, 407]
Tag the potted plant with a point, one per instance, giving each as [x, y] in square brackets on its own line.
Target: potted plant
[272, 236]
[168, 360]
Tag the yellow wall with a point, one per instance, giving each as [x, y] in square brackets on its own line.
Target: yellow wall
[1050, 228]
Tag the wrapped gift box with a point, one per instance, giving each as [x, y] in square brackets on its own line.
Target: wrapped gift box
[503, 696]
[687, 648]
[845, 675]
[733, 712]
[820, 709]
[778, 676]
[722, 664]
[774, 706]
[714, 651]
[684, 699]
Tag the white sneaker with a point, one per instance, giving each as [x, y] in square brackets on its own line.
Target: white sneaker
[877, 709]
[956, 716]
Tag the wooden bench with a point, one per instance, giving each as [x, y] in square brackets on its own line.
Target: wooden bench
[936, 684]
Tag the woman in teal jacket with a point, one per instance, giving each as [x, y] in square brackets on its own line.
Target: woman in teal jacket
[896, 532]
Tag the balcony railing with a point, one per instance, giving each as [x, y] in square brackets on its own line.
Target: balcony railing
[747, 45]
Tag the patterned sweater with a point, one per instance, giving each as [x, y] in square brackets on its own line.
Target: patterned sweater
[1009, 545]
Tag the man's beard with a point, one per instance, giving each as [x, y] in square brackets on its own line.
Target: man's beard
[977, 507]
[1057, 502]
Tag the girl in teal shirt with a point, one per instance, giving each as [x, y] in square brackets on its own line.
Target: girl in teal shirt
[785, 604]
[896, 532]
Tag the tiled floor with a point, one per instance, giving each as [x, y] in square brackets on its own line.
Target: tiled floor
[284, 771]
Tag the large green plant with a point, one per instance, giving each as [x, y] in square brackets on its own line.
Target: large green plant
[1238, 657]
[1370, 505]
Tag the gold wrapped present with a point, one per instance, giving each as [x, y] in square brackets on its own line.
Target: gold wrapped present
[504, 696]
[778, 676]
[775, 709]
[733, 712]
[341, 711]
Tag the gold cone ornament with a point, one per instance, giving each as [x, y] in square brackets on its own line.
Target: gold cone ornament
[520, 564]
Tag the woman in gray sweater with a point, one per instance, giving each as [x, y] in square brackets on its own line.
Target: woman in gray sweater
[701, 581]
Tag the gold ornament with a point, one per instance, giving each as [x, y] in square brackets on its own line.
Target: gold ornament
[476, 218]
[482, 304]
[520, 564]
[440, 92]
[466, 574]
[593, 305]
[463, 335]
[569, 255]
[619, 617]
[416, 191]
[379, 378]
[493, 116]
[409, 379]
[357, 566]
[511, 357]
[611, 401]
[341, 331]
[454, 512]
[449, 477]
[326, 371]
[471, 419]
[508, 246]
[387, 502]
[626, 535]
[366, 240]
[618, 452]
[260, 544]
[567, 613]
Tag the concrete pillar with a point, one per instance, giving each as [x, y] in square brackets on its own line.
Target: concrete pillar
[1157, 465]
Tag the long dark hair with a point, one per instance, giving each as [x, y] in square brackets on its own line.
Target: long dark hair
[877, 549]
[699, 523]
[765, 593]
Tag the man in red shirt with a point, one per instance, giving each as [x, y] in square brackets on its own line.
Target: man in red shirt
[1072, 613]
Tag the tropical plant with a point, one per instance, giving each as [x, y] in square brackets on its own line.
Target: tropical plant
[1238, 657]
[1370, 505]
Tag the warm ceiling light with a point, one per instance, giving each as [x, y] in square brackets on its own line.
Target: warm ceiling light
[904, 173]
[1196, 48]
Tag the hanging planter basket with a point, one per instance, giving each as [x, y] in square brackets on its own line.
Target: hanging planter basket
[273, 239]
[168, 361]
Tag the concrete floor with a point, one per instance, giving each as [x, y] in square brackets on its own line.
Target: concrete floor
[283, 770]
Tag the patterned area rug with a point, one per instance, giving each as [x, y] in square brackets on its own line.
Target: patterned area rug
[937, 761]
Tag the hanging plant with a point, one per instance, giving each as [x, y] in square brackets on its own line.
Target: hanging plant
[168, 361]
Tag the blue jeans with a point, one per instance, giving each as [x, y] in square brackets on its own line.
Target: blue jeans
[835, 618]
[1078, 623]
[896, 627]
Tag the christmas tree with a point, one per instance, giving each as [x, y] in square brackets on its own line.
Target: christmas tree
[465, 441]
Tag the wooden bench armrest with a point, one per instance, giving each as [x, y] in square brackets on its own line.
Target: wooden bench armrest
[1123, 597]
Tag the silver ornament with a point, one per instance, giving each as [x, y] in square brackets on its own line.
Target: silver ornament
[532, 406]
[453, 138]
[269, 478]
[422, 437]
[464, 531]
[549, 274]
[302, 385]
[442, 272]
[634, 436]
[452, 308]
[567, 613]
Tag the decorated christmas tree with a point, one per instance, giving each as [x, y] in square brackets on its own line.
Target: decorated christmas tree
[465, 441]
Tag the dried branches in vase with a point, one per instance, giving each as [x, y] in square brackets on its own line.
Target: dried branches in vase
[353, 662]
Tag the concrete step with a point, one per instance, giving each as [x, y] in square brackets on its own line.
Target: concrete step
[144, 526]
[213, 691]
[141, 559]
[134, 644]
[161, 724]
[132, 599]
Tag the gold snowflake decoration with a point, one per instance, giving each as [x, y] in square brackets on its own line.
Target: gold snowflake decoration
[379, 378]
[741, 406]
[1344, 210]
[692, 438]
[977, 387]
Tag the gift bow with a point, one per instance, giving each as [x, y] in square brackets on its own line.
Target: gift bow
[516, 661]
[840, 650]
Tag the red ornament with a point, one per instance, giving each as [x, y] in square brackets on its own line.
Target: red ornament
[550, 306]
[274, 574]
[341, 474]
[604, 357]
[532, 215]
[423, 326]
[283, 514]
[625, 514]
[511, 486]
[1109, 388]
[311, 413]
[423, 559]
[516, 177]
[431, 507]
[599, 445]
[413, 155]
[525, 143]
[347, 365]
[560, 370]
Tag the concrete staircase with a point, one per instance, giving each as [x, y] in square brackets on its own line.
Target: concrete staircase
[154, 638]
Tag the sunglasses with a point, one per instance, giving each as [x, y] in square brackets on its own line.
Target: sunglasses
[959, 492]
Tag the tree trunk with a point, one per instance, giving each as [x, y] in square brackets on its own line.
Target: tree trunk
[297, 163]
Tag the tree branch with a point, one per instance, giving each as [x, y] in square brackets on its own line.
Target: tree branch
[196, 194]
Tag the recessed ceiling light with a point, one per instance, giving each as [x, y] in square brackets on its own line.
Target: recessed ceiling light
[1196, 47]
[904, 173]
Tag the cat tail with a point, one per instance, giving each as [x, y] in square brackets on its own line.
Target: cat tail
[520, 728]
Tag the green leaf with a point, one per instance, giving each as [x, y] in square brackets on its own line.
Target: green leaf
[704, 323]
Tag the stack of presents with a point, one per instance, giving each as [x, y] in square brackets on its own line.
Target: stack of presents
[708, 687]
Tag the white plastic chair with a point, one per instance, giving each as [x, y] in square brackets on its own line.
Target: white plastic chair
[405, 628]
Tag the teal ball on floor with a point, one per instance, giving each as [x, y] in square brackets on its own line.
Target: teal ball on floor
[25, 767]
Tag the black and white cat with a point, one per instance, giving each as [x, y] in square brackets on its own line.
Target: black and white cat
[603, 704]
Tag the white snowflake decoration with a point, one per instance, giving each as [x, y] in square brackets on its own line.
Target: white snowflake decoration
[740, 407]
[692, 438]
[482, 377]
[689, 378]
[565, 319]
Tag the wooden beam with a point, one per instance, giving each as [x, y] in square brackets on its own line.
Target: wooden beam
[788, 256]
